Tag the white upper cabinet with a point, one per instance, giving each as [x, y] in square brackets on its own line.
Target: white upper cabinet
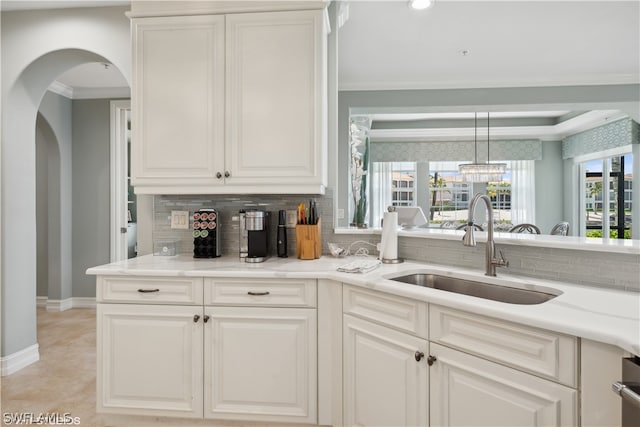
[275, 91]
[230, 103]
[177, 102]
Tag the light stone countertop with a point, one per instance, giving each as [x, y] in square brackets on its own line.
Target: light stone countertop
[598, 314]
[623, 246]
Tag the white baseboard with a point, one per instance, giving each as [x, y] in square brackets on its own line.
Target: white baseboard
[66, 304]
[83, 302]
[59, 304]
[21, 359]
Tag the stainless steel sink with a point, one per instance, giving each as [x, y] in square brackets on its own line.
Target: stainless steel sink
[476, 289]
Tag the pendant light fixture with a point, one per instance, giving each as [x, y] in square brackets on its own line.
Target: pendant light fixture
[481, 172]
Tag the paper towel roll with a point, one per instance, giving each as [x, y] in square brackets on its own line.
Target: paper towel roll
[389, 241]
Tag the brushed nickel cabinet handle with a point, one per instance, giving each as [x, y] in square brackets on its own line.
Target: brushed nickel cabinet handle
[258, 293]
[148, 291]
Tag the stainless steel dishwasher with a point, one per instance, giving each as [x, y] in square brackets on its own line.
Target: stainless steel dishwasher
[629, 391]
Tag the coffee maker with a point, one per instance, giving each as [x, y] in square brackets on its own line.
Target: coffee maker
[254, 235]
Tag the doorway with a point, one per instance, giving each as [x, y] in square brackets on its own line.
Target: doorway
[124, 230]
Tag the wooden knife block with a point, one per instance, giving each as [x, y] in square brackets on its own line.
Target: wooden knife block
[308, 241]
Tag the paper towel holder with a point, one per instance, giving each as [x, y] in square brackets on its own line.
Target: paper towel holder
[394, 260]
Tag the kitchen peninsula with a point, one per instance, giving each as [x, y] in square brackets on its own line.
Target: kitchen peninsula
[295, 341]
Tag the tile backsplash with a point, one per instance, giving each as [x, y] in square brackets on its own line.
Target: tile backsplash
[228, 207]
[590, 268]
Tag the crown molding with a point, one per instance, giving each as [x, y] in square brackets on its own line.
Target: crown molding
[89, 92]
[585, 80]
[558, 132]
[61, 89]
[101, 92]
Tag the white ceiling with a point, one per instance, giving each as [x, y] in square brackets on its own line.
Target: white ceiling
[387, 45]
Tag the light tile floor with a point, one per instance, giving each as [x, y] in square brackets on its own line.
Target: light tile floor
[64, 379]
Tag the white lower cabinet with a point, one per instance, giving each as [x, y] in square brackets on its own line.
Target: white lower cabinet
[385, 376]
[466, 390]
[149, 360]
[254, 361]
[260, 364]
[490, 372]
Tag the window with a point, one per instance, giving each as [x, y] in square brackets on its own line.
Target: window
[439, 190]
[403, 176]
[607, 213]
[449, 195]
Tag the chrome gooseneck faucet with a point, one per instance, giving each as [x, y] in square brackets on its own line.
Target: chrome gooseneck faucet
[469, 238]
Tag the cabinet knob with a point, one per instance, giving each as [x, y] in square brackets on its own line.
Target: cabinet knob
[206, 318]
[419, 355]
[227, 174]
[196, 317]
[431, 360]
[218, 175]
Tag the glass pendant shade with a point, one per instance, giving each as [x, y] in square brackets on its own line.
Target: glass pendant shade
[481, 172]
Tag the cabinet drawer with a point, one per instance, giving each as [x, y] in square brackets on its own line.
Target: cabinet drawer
[150, 290]
[400, 313]
[543, 353]
[260, 292]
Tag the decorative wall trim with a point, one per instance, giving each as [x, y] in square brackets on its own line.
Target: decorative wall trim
[18, 360]
[455, 151]
[612, 135]
[41, 301]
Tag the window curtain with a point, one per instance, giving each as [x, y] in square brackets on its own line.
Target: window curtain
[381, 187]
[523, 192]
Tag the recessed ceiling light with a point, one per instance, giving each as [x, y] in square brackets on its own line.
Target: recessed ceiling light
[420, 4]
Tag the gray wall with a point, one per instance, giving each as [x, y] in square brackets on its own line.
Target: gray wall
[549, 178]
[90, 191]
[43, 144]
[54, 126]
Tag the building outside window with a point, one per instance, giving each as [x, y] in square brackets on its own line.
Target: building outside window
[610, 212]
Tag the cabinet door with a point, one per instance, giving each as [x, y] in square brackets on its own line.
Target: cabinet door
[261, 364]
[384, 384]
[469, 391]
[276, 98]
[177, 102]
[149, 360]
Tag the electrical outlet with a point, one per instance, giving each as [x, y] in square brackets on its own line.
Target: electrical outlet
[340, 214]
[180, 220]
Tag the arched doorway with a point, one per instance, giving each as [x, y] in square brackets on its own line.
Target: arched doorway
[19, 207]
